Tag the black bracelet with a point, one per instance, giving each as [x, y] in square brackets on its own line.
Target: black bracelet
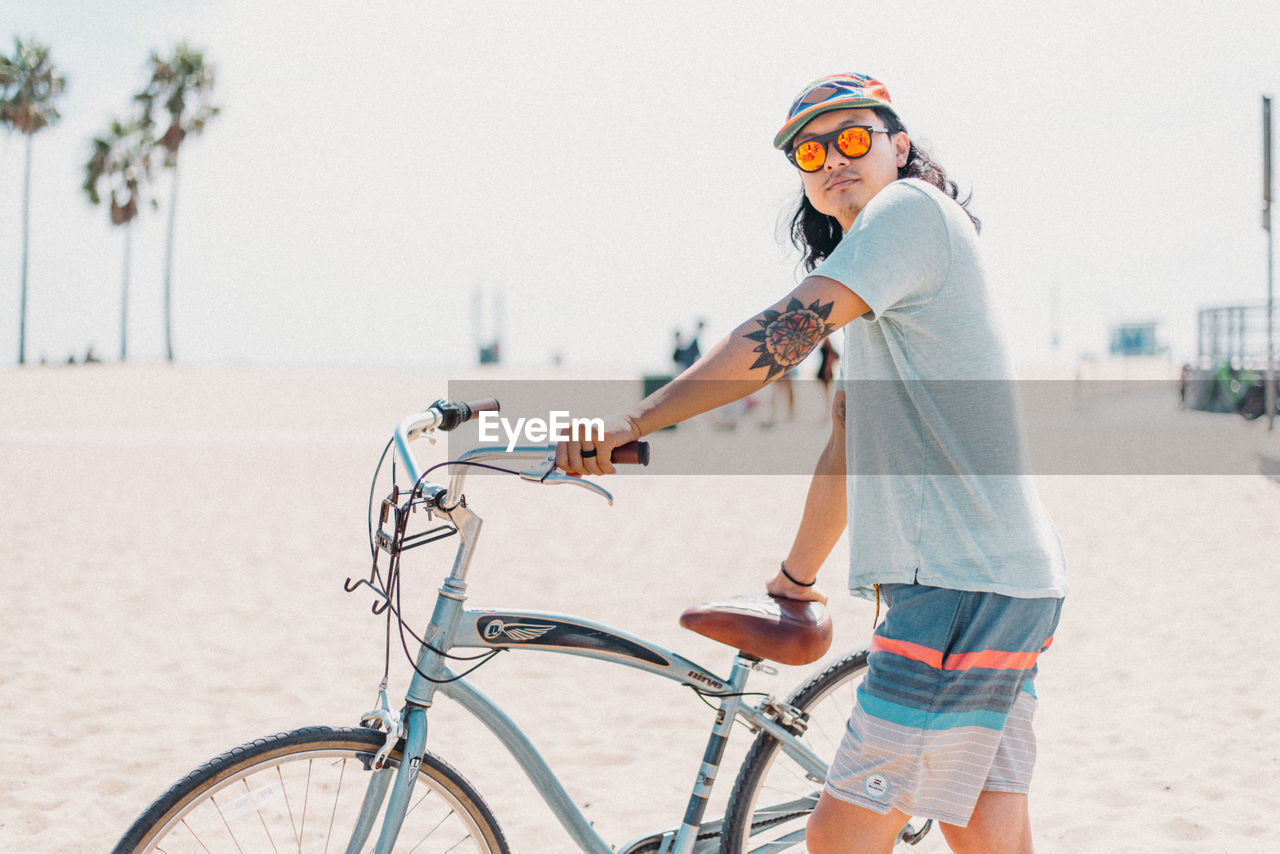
[794, 580]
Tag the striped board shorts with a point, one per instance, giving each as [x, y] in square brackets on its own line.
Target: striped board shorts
[945, 710]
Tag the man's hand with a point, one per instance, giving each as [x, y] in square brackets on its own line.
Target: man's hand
[785, 588]
[590, 454]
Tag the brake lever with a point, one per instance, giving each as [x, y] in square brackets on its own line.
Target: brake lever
[555, 477]
[544, 471]
[538, 471]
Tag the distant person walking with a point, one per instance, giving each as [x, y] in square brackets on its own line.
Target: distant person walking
[686, 354]
[827, 370]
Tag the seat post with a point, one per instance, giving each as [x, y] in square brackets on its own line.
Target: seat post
[742, 665]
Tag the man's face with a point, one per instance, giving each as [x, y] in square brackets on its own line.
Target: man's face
[843, 186]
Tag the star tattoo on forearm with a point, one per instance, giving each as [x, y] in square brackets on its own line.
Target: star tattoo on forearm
[786, 337]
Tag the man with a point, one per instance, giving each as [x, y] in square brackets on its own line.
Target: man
[944, 523]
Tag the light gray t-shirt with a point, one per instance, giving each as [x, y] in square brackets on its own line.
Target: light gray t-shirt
[940, 492]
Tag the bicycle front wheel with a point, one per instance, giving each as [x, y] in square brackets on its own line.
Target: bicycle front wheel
[773, 796]
[304, 791]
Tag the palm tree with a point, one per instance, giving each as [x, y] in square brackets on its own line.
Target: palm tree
[122, 157]
[181, 85]
[29, 83]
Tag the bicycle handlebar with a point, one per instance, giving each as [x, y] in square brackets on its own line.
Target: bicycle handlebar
[448, 415]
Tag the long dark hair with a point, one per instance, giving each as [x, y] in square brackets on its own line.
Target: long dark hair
[817, 234]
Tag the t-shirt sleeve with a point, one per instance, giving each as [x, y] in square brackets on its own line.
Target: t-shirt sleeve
[898, 253]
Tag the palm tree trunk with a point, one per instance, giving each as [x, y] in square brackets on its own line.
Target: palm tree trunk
[124, 293]
[26, 227]
[168, 264]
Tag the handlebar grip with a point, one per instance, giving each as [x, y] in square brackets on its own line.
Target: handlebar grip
[488, 404]
[454, 414]
[632, 453]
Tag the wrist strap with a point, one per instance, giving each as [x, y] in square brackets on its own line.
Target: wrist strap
[795, 580]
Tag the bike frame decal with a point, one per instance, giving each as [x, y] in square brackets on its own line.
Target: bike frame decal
[516, 629]
[539, 631]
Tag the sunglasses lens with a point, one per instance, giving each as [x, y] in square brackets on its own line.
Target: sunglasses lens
[854, 142]
[810, 155]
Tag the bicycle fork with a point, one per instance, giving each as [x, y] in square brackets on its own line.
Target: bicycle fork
[430, 670]
[413, 726]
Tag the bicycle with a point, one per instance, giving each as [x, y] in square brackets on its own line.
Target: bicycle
[375, 787]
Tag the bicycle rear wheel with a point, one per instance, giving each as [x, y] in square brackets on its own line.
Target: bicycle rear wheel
[773, 796]
[302, 791]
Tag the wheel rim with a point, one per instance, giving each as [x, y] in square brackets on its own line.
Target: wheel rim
[308, 800]
[785, 795]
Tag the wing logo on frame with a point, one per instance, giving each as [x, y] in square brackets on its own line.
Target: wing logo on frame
[495, 629]
[549, 633]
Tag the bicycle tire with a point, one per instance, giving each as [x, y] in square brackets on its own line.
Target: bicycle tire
[772, 797]
[259, 797]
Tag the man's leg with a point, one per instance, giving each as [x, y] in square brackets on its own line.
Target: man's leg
[926, 732]
[1000, 824]
[838, 827]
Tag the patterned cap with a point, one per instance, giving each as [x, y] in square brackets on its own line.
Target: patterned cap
[835, 92]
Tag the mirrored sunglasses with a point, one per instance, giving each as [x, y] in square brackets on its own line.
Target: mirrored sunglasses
[853, 142]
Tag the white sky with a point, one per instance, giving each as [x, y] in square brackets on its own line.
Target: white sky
[608, 167]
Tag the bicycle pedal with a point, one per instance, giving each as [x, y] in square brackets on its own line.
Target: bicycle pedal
[911, 836]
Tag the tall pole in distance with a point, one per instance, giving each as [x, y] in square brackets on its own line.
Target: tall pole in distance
[1269, 389]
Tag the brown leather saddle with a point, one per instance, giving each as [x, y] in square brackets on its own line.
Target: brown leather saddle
[788, 631]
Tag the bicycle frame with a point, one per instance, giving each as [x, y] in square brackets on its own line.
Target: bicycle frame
[453, 626]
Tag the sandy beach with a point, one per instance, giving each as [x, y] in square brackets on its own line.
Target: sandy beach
[174, 543]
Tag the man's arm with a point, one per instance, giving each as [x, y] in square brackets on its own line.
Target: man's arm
[824, 517]
[757, 352]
